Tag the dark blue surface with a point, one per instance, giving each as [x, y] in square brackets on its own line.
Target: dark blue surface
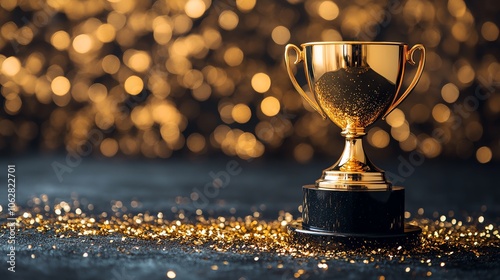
[264, 185]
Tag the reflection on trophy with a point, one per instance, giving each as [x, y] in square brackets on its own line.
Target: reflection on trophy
[354, 84]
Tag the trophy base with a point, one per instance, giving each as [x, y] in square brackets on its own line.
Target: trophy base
[353, 216]
[408, 238]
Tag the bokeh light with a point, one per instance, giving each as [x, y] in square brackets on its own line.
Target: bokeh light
[195, 8]
[60, 85]
[261, 82]
[450, 93]
[196, 142]
[328, 10]
[281, 35]
[228, 20]
[82, 43]
[303, 152]
[11, 66]
[245, 5]
[205, 77]
[109, 147]
[270, 106]
[60, 40]
[483, 154]
[241, 113]
[489, 30]
[133, 85]
[233, 56]
[378, 138]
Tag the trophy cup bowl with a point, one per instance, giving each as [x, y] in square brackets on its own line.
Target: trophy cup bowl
[354, 84]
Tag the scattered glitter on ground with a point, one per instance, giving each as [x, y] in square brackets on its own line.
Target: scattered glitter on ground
[441, 238]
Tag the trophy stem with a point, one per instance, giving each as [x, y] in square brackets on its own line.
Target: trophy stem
[353, 170]
[353, 157]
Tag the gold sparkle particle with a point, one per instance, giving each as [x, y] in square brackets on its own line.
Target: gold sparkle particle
[251, 235]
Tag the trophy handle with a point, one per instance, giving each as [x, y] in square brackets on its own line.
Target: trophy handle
[300, 57]
[421, 63]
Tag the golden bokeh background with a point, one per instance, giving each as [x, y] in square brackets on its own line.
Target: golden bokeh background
[160, 78]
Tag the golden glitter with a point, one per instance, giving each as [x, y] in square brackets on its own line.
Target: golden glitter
[252, 235]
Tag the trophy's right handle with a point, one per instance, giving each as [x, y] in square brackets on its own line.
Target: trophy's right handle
[420, 70]
[300, 57]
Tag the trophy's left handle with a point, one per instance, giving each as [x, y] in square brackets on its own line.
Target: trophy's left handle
[420, 69]
[300, 57]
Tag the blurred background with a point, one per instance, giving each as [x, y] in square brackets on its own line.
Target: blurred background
[168, 78]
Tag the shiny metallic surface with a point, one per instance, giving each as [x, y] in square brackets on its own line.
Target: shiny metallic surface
[354, 84]
[294, 81]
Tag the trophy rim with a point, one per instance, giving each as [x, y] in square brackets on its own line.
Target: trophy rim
[353, 43]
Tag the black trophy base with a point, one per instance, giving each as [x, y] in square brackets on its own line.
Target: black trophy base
[409, 238]
[353, 217]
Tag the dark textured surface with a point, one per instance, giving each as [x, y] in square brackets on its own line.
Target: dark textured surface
[267, 186]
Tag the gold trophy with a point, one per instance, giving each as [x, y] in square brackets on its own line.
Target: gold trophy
[354, 84]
